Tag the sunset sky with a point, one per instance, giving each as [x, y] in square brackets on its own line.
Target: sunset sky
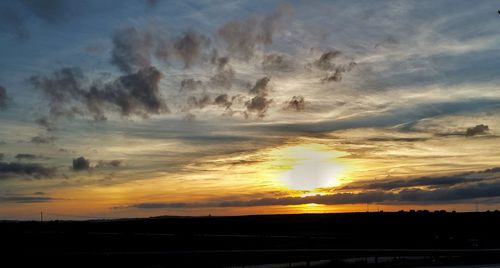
[142, 108]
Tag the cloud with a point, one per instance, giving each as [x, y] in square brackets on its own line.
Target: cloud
[338, 71]
[261, 87]
[429, 181]
[4, 99]
[134, 48]
[42, 139]
[220, 62]
[45, 123]
[80, 164]
[61, 88]
[260, 103]
[1, 156]
[190, 84]
[131, 49]
[198, 102]
[396, 139]
[25, 199]
[243, 37]
[276, 62]
[326, 62]
[223, 101]
[161, 205]
[477, 130]
[26, 156]
[34, 170]
[414, 196]
[189, 47]
[296, 103]
[223, 78]
[463, 187]
[109, 164]
[134, 93]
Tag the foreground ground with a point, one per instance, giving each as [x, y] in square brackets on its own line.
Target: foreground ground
[352, 239]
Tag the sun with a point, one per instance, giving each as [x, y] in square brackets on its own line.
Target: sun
[310, 166]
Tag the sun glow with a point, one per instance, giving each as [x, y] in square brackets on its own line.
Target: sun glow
[310, 166]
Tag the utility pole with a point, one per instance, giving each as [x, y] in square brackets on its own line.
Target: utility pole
[41, 216]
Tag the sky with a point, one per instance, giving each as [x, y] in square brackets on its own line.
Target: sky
[138, 108]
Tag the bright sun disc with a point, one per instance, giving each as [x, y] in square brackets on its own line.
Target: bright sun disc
[311, 166]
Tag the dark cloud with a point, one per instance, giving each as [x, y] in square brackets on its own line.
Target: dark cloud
[25, 199]
[223, 101]
[276, 62]
[135, 93]
[223, 78]
[325, 61]
[243, 37]
[34, 170]
[80, 164]
[109, 164]
[477, 130]
[134, 48]
[332, 199]
[189, 47]
[443, 195]
[464, 194]
[4, 99]
[296, 103]
[61, 88]
[430, 181]
[45, 123]
[131, 49]
[161, 205]
[464, 187]
[390, 117]
[338, 71]
[190, 84]
[258, 105]
[42, 139]
[198, 102]
[261, 87]
[52, 11]
[396, 139]
[220, 62]
[26, 156]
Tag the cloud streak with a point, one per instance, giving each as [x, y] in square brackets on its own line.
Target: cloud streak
[37, 171]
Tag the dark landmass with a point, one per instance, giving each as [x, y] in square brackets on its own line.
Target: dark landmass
[399, 239]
